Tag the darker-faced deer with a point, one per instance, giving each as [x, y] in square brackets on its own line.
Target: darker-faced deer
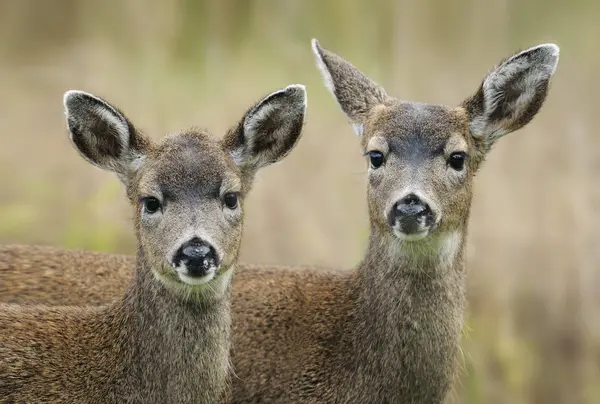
[387, 331]
[167, 337]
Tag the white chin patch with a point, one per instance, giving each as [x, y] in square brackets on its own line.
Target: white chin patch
[411, 237]
[196, 280]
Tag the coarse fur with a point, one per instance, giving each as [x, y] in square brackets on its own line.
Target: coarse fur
[387, 331]
[165, 335]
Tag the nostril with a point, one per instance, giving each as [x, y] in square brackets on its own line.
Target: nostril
[197, 256]
[411, 210]
[410, 199]
[410, 215]
[411, 205]
[196, 251]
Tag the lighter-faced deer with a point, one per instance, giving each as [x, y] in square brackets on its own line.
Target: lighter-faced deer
[387, 331]
[167, 337]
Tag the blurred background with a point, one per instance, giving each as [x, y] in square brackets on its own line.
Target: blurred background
[533, 326]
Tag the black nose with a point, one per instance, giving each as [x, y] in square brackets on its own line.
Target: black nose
[197, 255]
[412, 214]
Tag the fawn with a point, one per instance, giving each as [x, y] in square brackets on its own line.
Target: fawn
[389, 330]
[166, 338]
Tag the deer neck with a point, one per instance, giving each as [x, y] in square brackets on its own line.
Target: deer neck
[180, 345]
[409, 312]
[436, 256]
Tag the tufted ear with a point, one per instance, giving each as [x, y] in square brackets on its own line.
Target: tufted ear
[268, 131]
[102, 134]
[355, 93]
[511, 94]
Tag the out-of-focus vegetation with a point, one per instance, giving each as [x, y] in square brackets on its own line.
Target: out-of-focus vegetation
[533, 333]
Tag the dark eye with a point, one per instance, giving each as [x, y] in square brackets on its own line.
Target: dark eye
[376, 159]
[230, 200]
[457, 160]
[151, 205]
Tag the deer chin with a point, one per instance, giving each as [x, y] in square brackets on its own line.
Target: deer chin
[417, 236]
[197, 280]
[178, 278]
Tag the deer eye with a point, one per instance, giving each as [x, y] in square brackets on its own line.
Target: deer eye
[457, 160]
[230, 200]
[376, 159]
[151, 205]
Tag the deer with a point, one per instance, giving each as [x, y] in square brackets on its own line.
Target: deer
[389, 329]
[166, 337]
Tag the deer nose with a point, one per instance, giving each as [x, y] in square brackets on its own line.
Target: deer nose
[411, 214]
[198, 257]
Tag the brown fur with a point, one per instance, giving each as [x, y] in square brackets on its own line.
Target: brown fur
[158, 338]
[48, 275]
[387, 331]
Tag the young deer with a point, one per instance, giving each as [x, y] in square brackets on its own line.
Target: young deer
[389, 330]
[167, 338]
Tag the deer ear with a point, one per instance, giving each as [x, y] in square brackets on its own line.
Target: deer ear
[269, 130]
[102, 134]
[356, 94]
[511, 94]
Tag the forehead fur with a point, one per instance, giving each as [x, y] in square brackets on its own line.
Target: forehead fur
[190, 161]
[402, 122]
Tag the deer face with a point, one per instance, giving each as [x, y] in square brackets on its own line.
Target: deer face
[187, 190]
[419, 172]
[422, 157]
[188, 200]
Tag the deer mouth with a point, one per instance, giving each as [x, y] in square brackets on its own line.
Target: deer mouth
[196, 273]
